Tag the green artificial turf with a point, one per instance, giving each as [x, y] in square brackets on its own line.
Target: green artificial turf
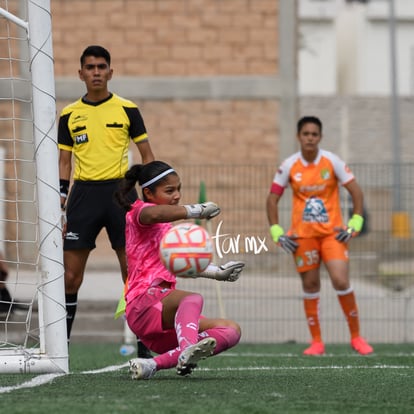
[247, 379]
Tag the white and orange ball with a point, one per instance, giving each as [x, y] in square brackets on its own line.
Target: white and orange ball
[186, 249]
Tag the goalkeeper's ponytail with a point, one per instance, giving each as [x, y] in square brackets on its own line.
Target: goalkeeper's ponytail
[147, 175]
[126, 185]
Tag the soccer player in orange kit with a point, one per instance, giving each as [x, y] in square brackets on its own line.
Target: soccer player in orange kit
[317, 233]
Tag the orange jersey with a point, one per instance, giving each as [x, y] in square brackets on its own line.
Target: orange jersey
[316, 208]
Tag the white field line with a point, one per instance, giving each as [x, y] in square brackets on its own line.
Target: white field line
[46, 378]
[106, 369]
[34, 382]
[330, 367]
[299, 355]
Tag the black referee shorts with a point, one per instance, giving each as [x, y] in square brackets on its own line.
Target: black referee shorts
[90, 208]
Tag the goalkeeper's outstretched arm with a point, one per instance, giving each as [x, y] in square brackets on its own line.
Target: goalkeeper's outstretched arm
[228, 272]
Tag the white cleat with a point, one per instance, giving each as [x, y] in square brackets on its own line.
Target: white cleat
[142, 368]
[188, 359]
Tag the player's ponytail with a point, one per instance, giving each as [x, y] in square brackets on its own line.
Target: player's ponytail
[126, 185]
[147, 175]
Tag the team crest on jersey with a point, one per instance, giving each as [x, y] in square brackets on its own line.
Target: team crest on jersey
[81, 139]
[315, 211]
[325, 174]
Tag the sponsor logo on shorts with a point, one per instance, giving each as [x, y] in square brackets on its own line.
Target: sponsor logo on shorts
[72, 236]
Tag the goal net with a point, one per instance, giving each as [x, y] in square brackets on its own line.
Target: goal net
[33, 315]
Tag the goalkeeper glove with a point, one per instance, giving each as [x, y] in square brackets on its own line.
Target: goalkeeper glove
[228, 272]
[206, 210]
[285, 242]
[353, 227]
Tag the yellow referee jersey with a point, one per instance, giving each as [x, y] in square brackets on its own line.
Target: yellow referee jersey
[98, 134]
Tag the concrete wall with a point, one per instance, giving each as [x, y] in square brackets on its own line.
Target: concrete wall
[206, 74]
[215, 80]
[359, 127]
[345, 47]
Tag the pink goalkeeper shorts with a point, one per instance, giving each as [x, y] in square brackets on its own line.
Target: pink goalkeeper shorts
[144, 317]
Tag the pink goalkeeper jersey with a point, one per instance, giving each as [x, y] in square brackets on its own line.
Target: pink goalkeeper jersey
[145, 268]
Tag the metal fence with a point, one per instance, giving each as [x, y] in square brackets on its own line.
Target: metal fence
[267, 300]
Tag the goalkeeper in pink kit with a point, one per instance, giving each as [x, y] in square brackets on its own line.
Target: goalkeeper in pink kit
[317, 233]
[167, 320]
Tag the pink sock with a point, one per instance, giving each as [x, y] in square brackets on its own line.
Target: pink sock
[168, 359]
[186, 320]
[225, 336]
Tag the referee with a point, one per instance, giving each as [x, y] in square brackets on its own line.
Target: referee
[95, 131]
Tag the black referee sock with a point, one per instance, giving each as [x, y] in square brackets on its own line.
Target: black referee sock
[71, 305]
[5, 295]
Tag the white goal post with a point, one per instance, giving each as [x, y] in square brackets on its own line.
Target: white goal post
[32, 340]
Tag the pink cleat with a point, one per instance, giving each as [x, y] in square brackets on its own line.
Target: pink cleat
[316, 348]
[361, 346]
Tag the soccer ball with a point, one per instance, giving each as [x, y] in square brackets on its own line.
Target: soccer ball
[186, 249]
